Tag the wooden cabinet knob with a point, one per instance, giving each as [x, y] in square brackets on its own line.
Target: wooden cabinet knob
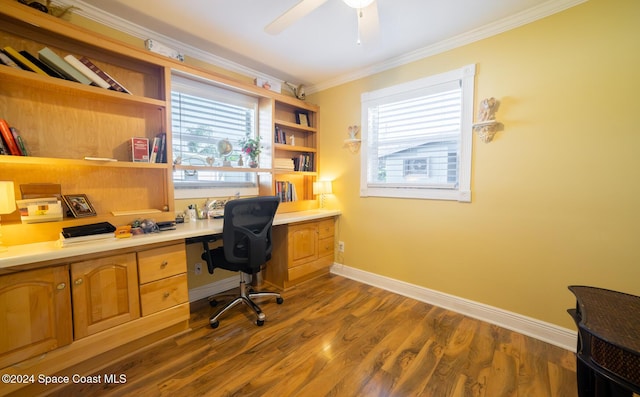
[78, 281]
[166, 295]
[61, 286]
[164, 264]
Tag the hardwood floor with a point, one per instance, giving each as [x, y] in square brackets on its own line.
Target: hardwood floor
[337, 337]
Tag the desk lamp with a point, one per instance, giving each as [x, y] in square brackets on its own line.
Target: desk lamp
[7, 204]
[321, 188]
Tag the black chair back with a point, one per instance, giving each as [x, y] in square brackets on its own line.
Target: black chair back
[247, 231]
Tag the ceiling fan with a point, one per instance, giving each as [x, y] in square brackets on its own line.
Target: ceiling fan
[366, 11]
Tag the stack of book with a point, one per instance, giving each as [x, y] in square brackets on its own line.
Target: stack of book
[145, 151]
[283, 164]
[159, 149]
[280, 136]
[11, 142]
[286, 191]
[303, 162]
[48, 63]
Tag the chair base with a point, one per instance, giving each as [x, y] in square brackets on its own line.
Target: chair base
[246, 296]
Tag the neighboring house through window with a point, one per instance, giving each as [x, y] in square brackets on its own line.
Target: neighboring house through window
[417, 138]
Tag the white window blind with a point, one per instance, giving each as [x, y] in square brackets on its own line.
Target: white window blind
[202, 116]
[417, 138]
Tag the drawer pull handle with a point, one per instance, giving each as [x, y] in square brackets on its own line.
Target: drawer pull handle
[164, 264]
[78, 281]
[61, 286]
[166, 295]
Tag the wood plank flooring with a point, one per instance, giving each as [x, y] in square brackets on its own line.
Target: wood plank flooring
[336, 337]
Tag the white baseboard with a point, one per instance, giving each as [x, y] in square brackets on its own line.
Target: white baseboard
[546, 332]
[214, 288]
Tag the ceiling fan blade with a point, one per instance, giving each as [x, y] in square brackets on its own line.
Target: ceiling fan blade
[294, 13]
[369, 23]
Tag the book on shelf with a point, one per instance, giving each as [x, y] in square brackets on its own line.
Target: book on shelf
[153, 156]
[162, 148]
[303, 162]
[3, 148]
[139, 149]
[82, 68]
[286, 191]
[280, 136]
[9, 140]
[42, 65]
[19, 141]
[8, 61]
[104, 75]
[54, 61]
[23, 62]
[283, 164]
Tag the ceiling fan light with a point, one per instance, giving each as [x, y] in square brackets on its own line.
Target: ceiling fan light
[357, 4]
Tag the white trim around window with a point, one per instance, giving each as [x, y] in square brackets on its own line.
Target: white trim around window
[446, 144]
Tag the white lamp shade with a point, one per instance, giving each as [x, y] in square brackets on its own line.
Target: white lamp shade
[358, 3]
[7, 197]
[322, 187]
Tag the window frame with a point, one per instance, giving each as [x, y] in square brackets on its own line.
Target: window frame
[462, 192]
[198, 86]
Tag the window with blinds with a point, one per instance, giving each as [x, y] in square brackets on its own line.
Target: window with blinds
[207, 123]
[417, 138]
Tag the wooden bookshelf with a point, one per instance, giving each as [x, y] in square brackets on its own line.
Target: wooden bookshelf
[63, 122]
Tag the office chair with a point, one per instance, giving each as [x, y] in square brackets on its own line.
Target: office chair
[247, 245]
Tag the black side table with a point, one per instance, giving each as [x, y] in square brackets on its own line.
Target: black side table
[608, 353]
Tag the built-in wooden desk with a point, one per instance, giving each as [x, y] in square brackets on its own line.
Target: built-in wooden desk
[72, 309]
[21, 257]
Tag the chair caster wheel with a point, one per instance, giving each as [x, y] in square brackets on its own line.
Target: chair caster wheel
[215, 324]
[213, 303]
[279, 301]
[259, 323]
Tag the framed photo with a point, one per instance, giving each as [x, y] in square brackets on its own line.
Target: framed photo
[302, 118]
[79, 205]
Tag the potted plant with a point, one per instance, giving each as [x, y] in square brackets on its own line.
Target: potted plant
[251, 147]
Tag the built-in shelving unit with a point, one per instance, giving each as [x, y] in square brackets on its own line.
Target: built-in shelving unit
[64, 122]
[300, 146]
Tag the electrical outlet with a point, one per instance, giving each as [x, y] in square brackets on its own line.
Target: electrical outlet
[340, 246]
[198, 269]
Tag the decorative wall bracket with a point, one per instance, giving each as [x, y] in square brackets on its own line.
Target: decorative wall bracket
[487, 125]
[353, 143]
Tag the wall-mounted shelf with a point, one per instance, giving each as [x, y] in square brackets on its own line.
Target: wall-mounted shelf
[353, 144]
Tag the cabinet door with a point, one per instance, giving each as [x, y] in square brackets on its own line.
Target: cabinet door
[303, 243]
[105, 293]
[36, 313]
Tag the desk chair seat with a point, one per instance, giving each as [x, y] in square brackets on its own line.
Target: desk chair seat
[247, 246]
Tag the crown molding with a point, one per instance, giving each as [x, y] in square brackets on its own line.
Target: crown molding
[533, 14]
[95, 14]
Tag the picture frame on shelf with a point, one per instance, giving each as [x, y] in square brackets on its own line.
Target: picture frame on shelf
[302, 118]
[79, 205]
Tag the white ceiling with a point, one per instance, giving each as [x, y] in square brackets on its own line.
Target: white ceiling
[319, 50]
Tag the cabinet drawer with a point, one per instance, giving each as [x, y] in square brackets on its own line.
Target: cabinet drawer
[159, 263]
[163, 294]
[326, 228]
[325, 247]
[312, 268]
